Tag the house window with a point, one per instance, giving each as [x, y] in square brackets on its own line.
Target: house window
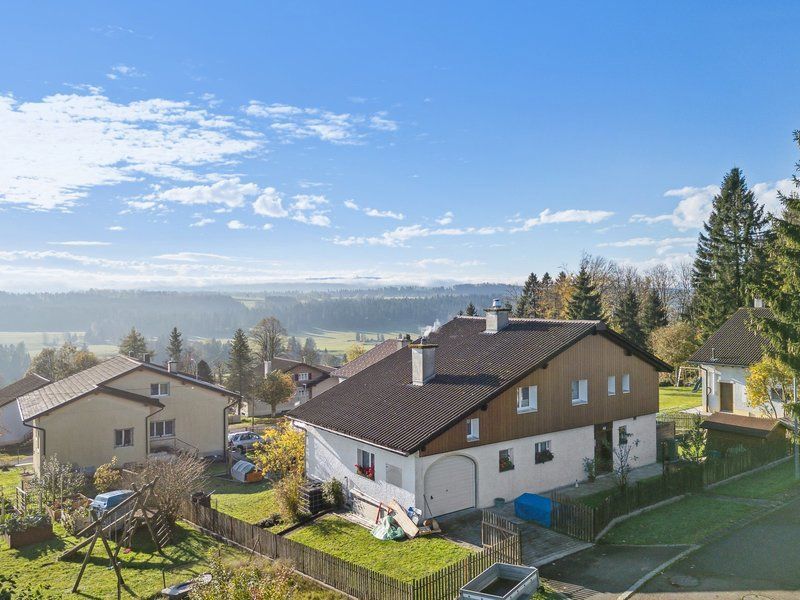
[527, 399]
[159, 389]
[473, 430]
[366, 464]
[506, 460]
[626, 384]
[542, 452]
[612, 385]
[623, 435]
[162, 428]
[580, 391]
[303, 376]
[394, 475]
[123, 437]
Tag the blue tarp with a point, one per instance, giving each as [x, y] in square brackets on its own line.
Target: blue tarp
[533, 507]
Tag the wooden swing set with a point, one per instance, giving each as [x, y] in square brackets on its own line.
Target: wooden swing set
[125, 517]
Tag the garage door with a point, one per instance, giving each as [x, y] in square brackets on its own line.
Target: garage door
[450, 485]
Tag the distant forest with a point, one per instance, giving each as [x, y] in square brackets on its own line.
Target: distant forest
[106, 316]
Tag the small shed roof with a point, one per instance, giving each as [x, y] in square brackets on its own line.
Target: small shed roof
[741, 424]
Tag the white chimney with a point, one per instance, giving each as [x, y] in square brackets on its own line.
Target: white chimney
[758, 303]
[496, 317]
[172, 366]
[267, 367]
[423, 362]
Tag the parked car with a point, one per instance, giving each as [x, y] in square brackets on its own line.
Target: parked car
[103, 503]
[243, 441]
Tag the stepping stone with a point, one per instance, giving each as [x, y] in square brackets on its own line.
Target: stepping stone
[684, 581]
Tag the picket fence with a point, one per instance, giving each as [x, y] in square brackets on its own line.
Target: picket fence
[347, 577]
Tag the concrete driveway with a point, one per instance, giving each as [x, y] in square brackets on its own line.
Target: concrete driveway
[757, 562]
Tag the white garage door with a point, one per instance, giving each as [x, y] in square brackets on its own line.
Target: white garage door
[450, 485]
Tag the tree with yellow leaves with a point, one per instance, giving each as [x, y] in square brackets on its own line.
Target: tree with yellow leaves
[769, 383]
[283, 451]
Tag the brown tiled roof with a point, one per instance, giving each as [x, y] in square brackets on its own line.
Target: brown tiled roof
[94, 379]
[380, 405]
[287, 364]
[21, 387]
[734, 343]
[731, 423]
[369, 358]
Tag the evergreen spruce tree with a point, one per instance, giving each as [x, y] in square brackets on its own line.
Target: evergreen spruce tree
[134, 344]
[471, 311]
[310, 354]
[654, 313]
[584, 302]
[529, 300]
[781, 289]
[240, 365]
[626, 316]
[204, 372]
[175, 346]
[730, 260]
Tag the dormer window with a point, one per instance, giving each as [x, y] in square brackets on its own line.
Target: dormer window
[303, 376]
[527, 399]
[159, 389]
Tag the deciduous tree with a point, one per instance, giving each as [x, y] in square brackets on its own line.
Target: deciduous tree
[274, 389]
[354, 351]
[674, 343]
[770, 381]
[268, 338]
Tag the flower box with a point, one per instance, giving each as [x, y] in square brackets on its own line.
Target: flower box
[544, 456]
[32, 535]
[368, 472]
[506, 465]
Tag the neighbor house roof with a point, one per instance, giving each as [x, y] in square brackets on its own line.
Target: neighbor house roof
[379, 404]
[735, 343]
[95, 379]
[287, 364]
[731, 423]
[21, 387]
[369, 358]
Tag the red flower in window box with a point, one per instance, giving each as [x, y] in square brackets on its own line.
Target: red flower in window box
[368, 472]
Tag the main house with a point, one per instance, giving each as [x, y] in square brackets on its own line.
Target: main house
[12, 429]
[484, 408]
[724, 361]
[126, 408]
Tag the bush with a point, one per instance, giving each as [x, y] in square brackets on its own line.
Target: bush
[247, 583]
[177, 478]
[333, 493]
[107, 478]
[14, 523]
[57, 480]
[287, 495]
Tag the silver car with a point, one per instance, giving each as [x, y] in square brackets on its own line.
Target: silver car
[243, 441]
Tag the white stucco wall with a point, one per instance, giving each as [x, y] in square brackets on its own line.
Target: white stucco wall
[713, 375]
[569, 449]
[643, 429]
[331, 455]
[12, 431]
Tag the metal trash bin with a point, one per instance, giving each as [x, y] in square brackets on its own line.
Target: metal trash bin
[502, 580]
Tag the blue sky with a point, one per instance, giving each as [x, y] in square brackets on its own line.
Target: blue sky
[178, 144]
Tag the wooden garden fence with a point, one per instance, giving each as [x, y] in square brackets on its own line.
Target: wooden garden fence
[345, 576]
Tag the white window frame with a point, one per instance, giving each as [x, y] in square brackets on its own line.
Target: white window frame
[626, 383]
[369, 457]
[473, 430]
[304, 376]
[612, 385]
[155, 425]
[124, 433]
[582, 386]
[510, 452]
[531, 404]
[162, 389]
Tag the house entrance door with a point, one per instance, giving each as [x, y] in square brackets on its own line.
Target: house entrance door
[726, 397]
[603, 441]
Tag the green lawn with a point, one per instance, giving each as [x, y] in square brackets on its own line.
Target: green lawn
[36, 340]
[687, 521]
[677, 398]
[9, 480]
[251, 502]
[770, 484]
[405, 560]
[339, 341]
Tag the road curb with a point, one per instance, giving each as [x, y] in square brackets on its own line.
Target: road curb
[648, 576]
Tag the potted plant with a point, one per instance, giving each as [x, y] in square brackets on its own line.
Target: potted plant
[590, 467]
[506, 464]
[76, 519]
[544, 456]
[23, 530]
[368, 472]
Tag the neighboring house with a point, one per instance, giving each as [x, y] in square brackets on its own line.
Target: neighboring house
[369, 358]
[309, 381]
[484, 408]
[125, 408]
[724, 361]
[12, 430]
[727, 431]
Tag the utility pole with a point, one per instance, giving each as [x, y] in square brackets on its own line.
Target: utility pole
[796, 448]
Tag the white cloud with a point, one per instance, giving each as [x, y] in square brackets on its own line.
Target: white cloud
[351, 205]
[693, 208]
[374, 212]
[266, 226]
[446, 262]
[308, 202]
[401, 235]
[231, 193]
[116, 228]
[661, 245]
[236, 224]
[572, 215]
[80, 243]
[767, 194]
[270, 204]
[446, 218]
[121, 70]
[318, 219]
[192, 256]
[202, 222]
[54, 151]
[297, 123]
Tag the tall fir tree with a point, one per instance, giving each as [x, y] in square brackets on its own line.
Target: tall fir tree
[204, 372]
[175, 346]
[470, 311]
[626, 316]
[134, 344]
[310, 355]
[654, 313]
[584, 302]
[730, 261]
[781, 289]
[240, 364]
[527, 304]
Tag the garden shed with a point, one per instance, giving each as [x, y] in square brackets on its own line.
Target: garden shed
[727, 431]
